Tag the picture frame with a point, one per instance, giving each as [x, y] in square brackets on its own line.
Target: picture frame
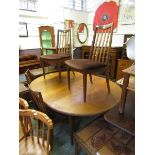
[68, 24]
[107, 12]
[23, 31]
[128, 12]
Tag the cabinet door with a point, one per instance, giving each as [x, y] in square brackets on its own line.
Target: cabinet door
[115, 54]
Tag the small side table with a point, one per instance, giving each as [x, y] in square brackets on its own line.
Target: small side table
[125, 118]
[126, 74]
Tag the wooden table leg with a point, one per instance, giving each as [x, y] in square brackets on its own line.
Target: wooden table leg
[68, 77]
[84, 86]
[124, 93]
[43, 67]
[59, 69]
[72, 127]
[76, 149]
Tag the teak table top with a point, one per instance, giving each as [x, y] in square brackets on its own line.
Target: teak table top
[70, 102]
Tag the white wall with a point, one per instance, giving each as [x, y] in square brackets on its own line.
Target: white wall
[55, 19]
[54, 14]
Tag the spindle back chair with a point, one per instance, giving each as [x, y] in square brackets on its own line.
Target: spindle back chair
[64, 42]
[98, 58]
[101, 44]
[39, 144]
[23, 104]
[63, 52]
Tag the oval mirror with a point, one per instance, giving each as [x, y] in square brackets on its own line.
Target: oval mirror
[82, 33]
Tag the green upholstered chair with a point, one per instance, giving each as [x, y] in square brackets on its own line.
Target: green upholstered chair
[47, 40]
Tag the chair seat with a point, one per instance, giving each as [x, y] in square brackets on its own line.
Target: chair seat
[28, 147]
[84, 64]
[54, 57]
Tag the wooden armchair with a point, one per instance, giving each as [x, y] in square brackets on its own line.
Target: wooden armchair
[39, 144]
[63, 51]
[98, 58]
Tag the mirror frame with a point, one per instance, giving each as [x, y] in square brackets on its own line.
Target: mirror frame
[82, 42]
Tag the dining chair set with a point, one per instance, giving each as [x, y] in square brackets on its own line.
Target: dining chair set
[98, 61]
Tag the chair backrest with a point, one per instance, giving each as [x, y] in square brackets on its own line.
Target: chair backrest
[23, 104]
[37, 98]
[64, 42]
[47, 38]
[29, 76]
[101, 44]
[42, 122]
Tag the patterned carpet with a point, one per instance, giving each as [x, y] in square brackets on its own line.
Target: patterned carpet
[61, 141]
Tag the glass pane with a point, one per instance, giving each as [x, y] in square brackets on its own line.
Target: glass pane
[46, 39]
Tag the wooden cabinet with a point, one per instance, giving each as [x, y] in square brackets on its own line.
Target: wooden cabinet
[85, 52]
[121, 65]
[116, 53]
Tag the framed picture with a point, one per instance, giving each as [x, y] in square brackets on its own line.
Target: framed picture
[128, 12]
[23, 32]
[68, 24]
[106, 13]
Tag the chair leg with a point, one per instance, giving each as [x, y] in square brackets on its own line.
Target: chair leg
[84, 86]
[90, 78]
[73, 73]
[59, 68]
[68, 76]
[72, 128]
[42, 64]
[107, 81]
[76, 149]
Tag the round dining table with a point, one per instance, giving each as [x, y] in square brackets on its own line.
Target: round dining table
[59, 98]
